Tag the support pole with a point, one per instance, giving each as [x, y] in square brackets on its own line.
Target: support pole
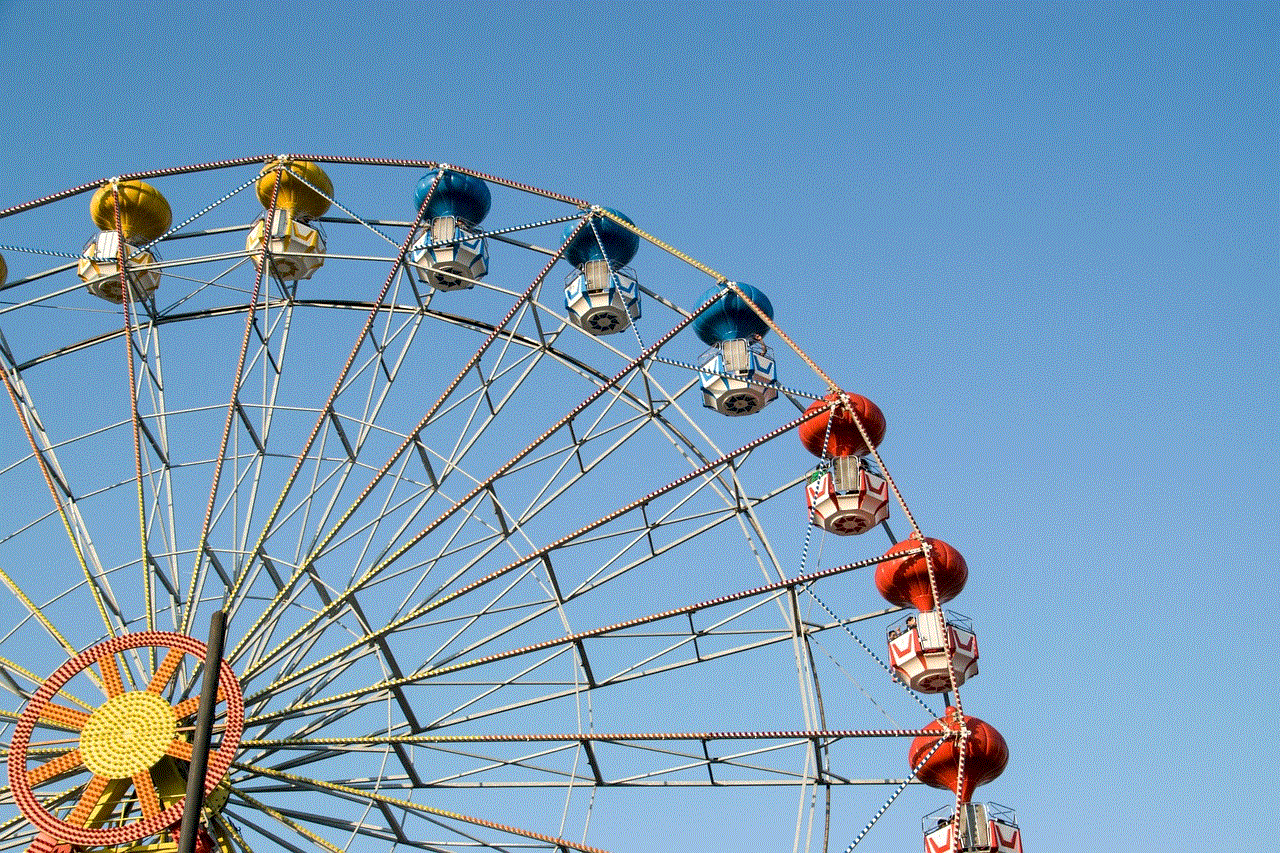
[204, 731]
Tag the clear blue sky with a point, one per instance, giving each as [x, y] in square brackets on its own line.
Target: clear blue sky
[1042, 237]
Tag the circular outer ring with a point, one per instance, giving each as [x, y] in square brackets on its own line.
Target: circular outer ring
[219, 760]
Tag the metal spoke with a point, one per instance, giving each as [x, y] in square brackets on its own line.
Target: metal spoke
[61, 492]
[148, 797]
[415, 807]
[55, 767]
[36, 612]
[79, 815]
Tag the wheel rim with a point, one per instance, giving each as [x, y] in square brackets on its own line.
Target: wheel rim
[109, 747]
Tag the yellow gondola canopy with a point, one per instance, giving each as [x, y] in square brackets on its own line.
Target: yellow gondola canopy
[295, 195]
[144, 212]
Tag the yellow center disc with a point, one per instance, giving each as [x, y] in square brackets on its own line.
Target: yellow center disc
[128, 734]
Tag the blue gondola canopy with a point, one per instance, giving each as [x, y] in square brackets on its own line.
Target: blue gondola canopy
[615, 244]
[458, 195]
[730, 317]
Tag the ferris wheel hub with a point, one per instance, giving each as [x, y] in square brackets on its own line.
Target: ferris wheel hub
[133, 735]
[128, 734]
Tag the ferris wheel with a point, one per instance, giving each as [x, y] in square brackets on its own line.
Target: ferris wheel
[406, 507]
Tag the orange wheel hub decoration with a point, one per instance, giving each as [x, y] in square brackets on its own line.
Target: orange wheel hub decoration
[122, 739]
